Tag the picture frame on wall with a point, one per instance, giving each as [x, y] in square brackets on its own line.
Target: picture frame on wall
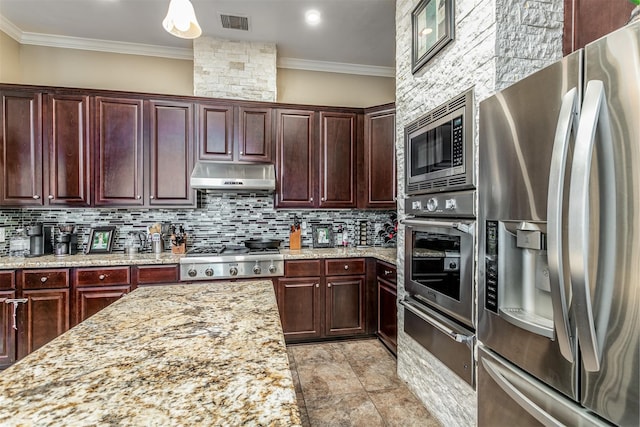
[101, 240]
[432, 28]
[323, 236]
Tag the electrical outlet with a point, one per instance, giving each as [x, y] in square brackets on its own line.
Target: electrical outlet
[2, 235]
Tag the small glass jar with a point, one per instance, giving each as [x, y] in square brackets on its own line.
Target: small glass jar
[20, 244]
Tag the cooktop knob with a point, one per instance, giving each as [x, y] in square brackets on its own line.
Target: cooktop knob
[209, 272]
[452, 265]
[233, 271]
[192, 272]
[257, 269]
[272, 269]
[432, 204]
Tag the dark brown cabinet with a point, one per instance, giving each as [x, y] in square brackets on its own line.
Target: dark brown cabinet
[118, 148]
[8, 333]
[171, 153]
[344, 305]
[337, 160]
[377, 183]
[296, 159]
[97, 287]
[215, 132]
[299, 296]
[148, 275]
[21, 148]
[588, 20]
[387, 305]
[255, 141]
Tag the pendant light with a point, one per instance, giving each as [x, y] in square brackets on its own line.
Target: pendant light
[181, 20]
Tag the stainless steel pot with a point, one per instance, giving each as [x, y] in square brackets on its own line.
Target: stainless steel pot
[262, 243]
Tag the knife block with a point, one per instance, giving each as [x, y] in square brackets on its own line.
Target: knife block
[294, 240]
[178, 249]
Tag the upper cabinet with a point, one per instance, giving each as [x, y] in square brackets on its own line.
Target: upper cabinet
[118, 148]
[234, 133]
[337, 160]
[377, 184]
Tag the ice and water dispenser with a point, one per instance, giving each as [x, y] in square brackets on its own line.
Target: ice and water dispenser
[517, 275]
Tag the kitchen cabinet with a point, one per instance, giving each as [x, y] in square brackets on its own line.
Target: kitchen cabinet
[118, 148]
[255, 141]
[299, 295]
[338, 160]
[171, 153]
[21, 148]
[7, 333]
[377, 182]
[215, 132]
[345, 297]
[97, 287]
[387, 307]
[296, 159]
[588, 20]
[149, 275]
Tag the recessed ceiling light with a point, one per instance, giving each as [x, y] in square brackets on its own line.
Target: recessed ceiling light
[312, 17]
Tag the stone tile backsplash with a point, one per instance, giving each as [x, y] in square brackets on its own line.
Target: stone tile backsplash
[221, 218]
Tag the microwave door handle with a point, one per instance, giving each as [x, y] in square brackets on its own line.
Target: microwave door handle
[594, 116]
[567, 121]
[465, 227]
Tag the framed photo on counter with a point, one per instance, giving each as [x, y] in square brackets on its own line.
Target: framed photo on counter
[101, 240]
[432, 27]
[322, 236]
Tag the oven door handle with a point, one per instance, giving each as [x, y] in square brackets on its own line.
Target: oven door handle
[422, 313]
[464, 226]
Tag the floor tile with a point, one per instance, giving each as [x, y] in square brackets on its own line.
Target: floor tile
[328, 378]
[312, 354]
[296, 380]
[377, 374]
[365, 350]
[399, 407]
[355, 409]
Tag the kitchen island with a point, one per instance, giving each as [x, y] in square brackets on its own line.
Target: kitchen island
[196, 354]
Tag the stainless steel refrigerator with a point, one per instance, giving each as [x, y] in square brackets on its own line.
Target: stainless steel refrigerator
[559, 242]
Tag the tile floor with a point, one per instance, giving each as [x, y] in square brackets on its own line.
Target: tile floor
[352, 383]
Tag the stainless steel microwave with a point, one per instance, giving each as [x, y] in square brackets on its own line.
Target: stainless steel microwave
[439, 148]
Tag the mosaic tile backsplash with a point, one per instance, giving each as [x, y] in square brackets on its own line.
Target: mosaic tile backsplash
[221, 218]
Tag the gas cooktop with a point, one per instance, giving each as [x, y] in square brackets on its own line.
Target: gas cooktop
[227, 250]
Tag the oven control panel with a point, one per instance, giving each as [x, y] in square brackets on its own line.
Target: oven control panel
[195, 269]
[460, 204]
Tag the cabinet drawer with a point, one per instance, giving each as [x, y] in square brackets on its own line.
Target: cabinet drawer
[45, 278]
[302, 268]
[99, 276]
[7, 279]
[386, 271]
[151, 274]
[339, 267]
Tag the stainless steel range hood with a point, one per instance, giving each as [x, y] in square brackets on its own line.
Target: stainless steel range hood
[233, 177]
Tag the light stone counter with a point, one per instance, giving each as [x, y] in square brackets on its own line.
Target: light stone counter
[198, 354]
[97, 260]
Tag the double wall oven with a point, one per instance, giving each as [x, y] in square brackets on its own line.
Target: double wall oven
[440, 234]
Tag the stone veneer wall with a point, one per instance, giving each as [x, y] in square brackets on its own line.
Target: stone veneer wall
[497, 42]
[221, 218]
[234, 69]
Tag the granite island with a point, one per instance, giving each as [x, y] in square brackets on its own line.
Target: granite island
[195, 354]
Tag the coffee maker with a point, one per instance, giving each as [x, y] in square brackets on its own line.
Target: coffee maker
[36, 239]
[66, 242]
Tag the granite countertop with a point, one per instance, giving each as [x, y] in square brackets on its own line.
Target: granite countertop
[197, 354]
[97, 260]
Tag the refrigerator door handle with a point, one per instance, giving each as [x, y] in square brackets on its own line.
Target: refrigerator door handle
[567, 122]
[592, 325]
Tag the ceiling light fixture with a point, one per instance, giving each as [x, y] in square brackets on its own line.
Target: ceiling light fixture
[181, 20]
[312, 17]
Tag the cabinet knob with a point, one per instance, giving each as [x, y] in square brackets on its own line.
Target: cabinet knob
[43, 279]
[101, 277]
[346, 267]
[138, 197]
[50, 197]
[152, 197]
[317, 285]
[311, 199]
[328, 285]
[322, 199]
[241, 152]
[387, 272]
[35, 196]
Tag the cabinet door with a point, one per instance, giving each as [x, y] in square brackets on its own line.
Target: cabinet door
[119, 148]
[21, 148]
[387, 315]
[338, 160]
[171, 154]
[89, 301]
[344, 305]
[46, 316]
[7, 334]
[379, 184]
[254, 135]
[295, 159]
[215, 132]
[299, 305]
[67, 133]
[155, 274]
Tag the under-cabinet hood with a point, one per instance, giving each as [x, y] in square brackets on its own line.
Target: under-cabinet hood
[233, 177]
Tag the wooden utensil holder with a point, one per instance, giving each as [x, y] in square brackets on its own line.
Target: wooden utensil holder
[178, 249]
[294, 240]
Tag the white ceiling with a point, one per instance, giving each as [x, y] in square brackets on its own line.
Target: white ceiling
[356, 36]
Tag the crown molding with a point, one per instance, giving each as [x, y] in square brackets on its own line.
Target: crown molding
[66, 42]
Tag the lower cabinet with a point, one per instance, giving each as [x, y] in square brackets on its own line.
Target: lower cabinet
[46, 316]
[8, 334]
[344, 306]
[151, 275]
[387, 306]
[97, 287]
[299, 304]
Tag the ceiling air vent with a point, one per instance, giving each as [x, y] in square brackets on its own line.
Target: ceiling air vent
[233, 22]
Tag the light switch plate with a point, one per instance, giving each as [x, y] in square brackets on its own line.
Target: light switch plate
[2, 235]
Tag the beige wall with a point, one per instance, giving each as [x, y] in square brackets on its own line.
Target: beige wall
[38, 65]
[9, 59]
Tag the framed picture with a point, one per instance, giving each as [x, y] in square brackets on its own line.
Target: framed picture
[432, 27]
[322, 236]
[100, 240]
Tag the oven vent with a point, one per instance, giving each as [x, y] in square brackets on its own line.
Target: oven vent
[234, 22]
[457, 103]
[440, 112]
[440, 183]
[458, 181]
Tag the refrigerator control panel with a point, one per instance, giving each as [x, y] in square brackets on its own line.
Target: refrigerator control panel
[491, 265]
